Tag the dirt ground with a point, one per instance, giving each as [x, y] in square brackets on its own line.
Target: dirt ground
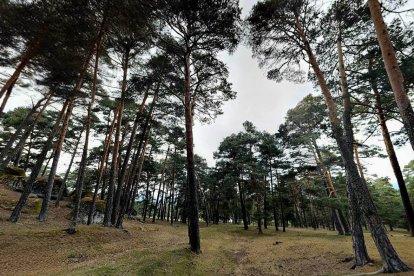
[30, 247]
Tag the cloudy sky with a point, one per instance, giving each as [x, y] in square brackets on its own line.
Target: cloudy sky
[265, 103]
[259, 100]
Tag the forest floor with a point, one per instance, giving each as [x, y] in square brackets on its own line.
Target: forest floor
[30, 247]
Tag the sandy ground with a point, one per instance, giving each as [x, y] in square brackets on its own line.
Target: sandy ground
[30, 247]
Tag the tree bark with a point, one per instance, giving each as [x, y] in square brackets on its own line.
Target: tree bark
[392, 67]
[392, 156]
[51, 179]
[37, 167]
[65, 179]
[356, 186]
[26, 127]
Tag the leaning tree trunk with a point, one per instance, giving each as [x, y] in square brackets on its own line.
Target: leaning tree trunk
[32, 50]
[26, 126]
[51, 179]
[6, 98]
[356, 186]
[392, 67]
[37, 167]
[128, 195]
[65, 178]
[409, 212]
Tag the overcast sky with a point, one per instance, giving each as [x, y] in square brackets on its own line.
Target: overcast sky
[265, 103]
[261, 101]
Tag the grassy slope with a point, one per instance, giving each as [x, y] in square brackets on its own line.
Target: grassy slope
[33, 248]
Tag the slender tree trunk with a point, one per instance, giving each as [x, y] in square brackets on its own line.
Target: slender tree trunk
[358, 161]
[282, 210]
[243, 206]
[130, 192]
[409, 212]
[356, 186]
[102, 168]
[274, 204]
[6, 98]
[392, 67]
[32, 50]
[37, 167]
[65, 179]
[51, 179]
[161, 183]
[26, 126]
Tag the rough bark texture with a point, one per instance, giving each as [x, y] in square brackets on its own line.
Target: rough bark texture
[356, 186]
[392, 67]
[392, 156]
[192, 201]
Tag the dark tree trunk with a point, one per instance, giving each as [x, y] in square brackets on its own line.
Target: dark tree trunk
[26, 127]
[51, 179]
[31, 51]
[160, 185]
[102, 168]
[359, 194]
[192, 200]
[6, 98]
[243, 206]
[65, 179]
[409, 212]
[37, 167]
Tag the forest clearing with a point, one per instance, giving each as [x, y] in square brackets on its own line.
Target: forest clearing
[206, 137]
[162, 249]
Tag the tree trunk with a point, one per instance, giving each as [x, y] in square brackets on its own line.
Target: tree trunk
[26, 127]
[25, 58]
[192, 202]
[274, 205]
[161, 183]
[6, 98]
[409, 212]
[356, 186]
[102, 167]
[51, 179]
[392, 67]
[65, 179]
[37, 167]
[243, 206]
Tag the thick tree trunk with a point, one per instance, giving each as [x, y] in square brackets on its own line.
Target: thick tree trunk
[51, 179]
[356, 186]
[192, 201]
[392, 67]
[37, 167]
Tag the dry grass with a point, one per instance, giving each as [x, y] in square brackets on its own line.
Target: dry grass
[33, 248]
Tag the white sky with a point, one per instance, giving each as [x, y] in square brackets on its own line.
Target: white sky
[265, 103]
